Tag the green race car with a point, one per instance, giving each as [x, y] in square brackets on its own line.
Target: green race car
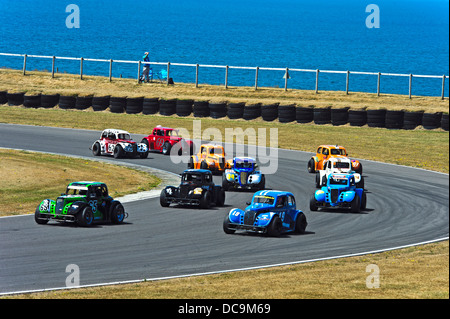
[82, 203]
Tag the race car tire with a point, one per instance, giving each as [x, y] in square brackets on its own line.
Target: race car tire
[166, 148]
[167, 107]
[201, 109]
[357, 117]
[235, 110]
[274, 229]
[411, 120]
[318, 181]
[96, 149]
[363, 201]
[339, 116]
[205, 200]
[38, 217]
[100, 103]
[83, 102]
[117, 213]
[220, 197]
[225, 183]
[376, 118]
[143, 155]
[311, 166]
[304, 114]
[134, 105]
[85, 218]
[150, 106]
[15, 98]
[322, 115]
[313, 203]
[203, 165]
[67, 102]
[269, 112]
[184, 107]
[33, 101]
[163, 199]
[394, 119]
[300, 224]
[118, 151]
[431, 121]
[226, 226]
[355, 204]
[262, 183]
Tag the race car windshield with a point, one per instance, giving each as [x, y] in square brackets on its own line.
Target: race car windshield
[123, 136]
[192, 178]
[76, 191]
[341, 165]
[244, 165]
[216, 150]
[263, 200]
[337, 152]
[338, 181]
[172, 133]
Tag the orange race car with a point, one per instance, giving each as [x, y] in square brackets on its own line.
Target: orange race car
[324, 152]
[210, 156]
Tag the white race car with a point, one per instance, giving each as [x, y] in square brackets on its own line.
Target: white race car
[339, 164]
[119, 144]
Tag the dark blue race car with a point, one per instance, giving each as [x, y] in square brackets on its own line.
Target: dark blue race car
[243, 174]
[270, 212]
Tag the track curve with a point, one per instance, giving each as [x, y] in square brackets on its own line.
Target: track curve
[405, 206]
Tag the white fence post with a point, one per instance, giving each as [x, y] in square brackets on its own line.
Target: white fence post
[256, 78]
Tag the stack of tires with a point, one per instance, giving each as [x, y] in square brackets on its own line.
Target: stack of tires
[394, 119]
[83, 102]
[251, 112]
[49, 100]
[67, 102]
[134, 105]
[217, 110]
[184, 107]
[376, 118]
[167, 107]
[15, 98]
[304, 114]
[3, 99]
[150, 106]
[339, 116]
[322, 115]
[357, 117]
[235, 110]
[100, 103]
[201, 109]
[286, 113]
[117, 104]
[269, 112]
[411, 120]
[32, 100]
[444, 122]
[431, 121]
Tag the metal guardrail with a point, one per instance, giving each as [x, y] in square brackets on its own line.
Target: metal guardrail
[228, 67]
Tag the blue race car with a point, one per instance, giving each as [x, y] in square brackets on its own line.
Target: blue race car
[340, 191]
[270, 212]
[243, 174]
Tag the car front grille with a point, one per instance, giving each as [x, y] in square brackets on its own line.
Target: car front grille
[334, 195]
[184, 190]
[249, 218]
[244, 178]
[59, 205]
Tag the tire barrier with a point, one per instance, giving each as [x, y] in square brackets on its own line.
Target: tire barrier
[217, 110]
[394, 119]
[235, 110]
[411, 120]
[167, 107]
[322, 115]
[357, 117]
[117, 104]
[390, 119]
[100, 103]
[339, 116]
[201, 109]
[67, 102]
[304, 114]
[150, 106]
[184, 107]
[3, 99]
[286, 113]
[15, 98]
[49, 101]
[251, 112]
[376, 118]
[33, 101]
[134, 105]
[83, 102]
[444, 122]
[431, 121]
[269, 112]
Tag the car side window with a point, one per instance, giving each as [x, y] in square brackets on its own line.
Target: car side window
[319, 150]
[291, 201]
[281, 201]
[325, 151]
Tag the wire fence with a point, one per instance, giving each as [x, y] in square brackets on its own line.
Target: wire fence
[228, 69]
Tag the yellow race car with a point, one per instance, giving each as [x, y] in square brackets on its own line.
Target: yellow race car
[211, 157]
[325, 152]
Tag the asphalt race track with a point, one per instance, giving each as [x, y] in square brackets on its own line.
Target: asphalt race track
[404, 206]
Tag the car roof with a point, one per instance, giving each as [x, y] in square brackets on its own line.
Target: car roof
[86, 184]
[164, 128]
[115, 131]
[211, 145]
[245, 159]
[332, 146]
[272, 193]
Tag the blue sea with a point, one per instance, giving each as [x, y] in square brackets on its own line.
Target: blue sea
[413, 37]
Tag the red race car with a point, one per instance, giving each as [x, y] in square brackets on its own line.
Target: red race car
[163, 139]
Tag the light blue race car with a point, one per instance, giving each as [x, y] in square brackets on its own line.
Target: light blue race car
[341, 191]
[270, 212]
[243, 174]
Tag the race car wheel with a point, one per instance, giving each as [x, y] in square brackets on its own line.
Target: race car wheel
[225, 183]
[262, 183]
[143, 155]
[318, 184]
[191, 163]
[117, 214]
[220, 200]
[166, 148]
[313, 203]
[163, 200]
[203, 165]
[300, 224]
[38, 217]
[274, 229]
[311, 166]
[85, 218]
[363, 201]
[118, 151]
[355, 204]
[205, 201]
[96, 149]
[226, 224]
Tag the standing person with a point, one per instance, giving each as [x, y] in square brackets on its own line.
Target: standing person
[146, 71]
